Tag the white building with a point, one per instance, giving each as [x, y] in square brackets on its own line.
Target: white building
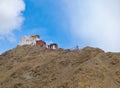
[29, 40]
[53, 46]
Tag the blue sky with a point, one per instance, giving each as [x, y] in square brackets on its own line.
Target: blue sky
[66, 22]
[45, 18]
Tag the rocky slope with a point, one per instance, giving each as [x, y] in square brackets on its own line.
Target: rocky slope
[35, 67]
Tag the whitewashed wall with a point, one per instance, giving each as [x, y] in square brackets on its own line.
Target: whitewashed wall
[28, 40]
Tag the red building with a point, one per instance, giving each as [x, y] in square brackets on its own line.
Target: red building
[41, 43]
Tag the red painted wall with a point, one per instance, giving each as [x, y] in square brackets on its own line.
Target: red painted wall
[41, 43]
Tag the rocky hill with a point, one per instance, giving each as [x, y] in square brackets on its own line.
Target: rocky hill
[35, 67]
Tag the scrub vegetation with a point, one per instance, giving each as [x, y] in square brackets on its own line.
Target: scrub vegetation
[36, 67]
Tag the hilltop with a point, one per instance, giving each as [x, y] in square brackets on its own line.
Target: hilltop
[36, 67]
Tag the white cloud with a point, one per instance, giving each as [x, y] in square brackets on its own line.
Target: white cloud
[96, 21]
[10, 17]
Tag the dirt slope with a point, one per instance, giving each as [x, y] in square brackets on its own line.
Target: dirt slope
[35, 67]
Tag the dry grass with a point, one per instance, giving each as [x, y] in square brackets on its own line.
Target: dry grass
[36, 67]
